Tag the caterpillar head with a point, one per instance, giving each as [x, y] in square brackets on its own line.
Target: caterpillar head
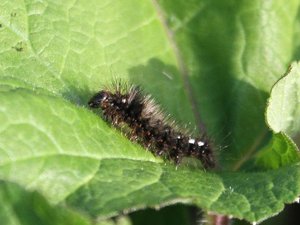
[101, 100]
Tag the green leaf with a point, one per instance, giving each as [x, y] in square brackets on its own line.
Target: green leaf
[73, 49]
[283, 112]
[204, 61]
[53, 146]
[251, 196]
[280, 152]
[74, 155]
[19, 207]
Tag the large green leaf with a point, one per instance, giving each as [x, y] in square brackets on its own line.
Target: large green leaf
[111, 173]
[251, 196]
[234, 52]
[57, 147]
[209, 58]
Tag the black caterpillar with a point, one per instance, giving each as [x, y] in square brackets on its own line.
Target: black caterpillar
[147, 124]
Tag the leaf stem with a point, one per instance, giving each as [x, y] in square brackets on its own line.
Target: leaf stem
[216, 219]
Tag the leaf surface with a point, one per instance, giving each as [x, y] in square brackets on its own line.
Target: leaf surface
[20, 207]
[203, 61]
[283, 111]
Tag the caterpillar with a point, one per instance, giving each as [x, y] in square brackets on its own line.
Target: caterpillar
[128, 105]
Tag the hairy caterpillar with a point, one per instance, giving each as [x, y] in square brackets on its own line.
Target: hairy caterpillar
[127, 105]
